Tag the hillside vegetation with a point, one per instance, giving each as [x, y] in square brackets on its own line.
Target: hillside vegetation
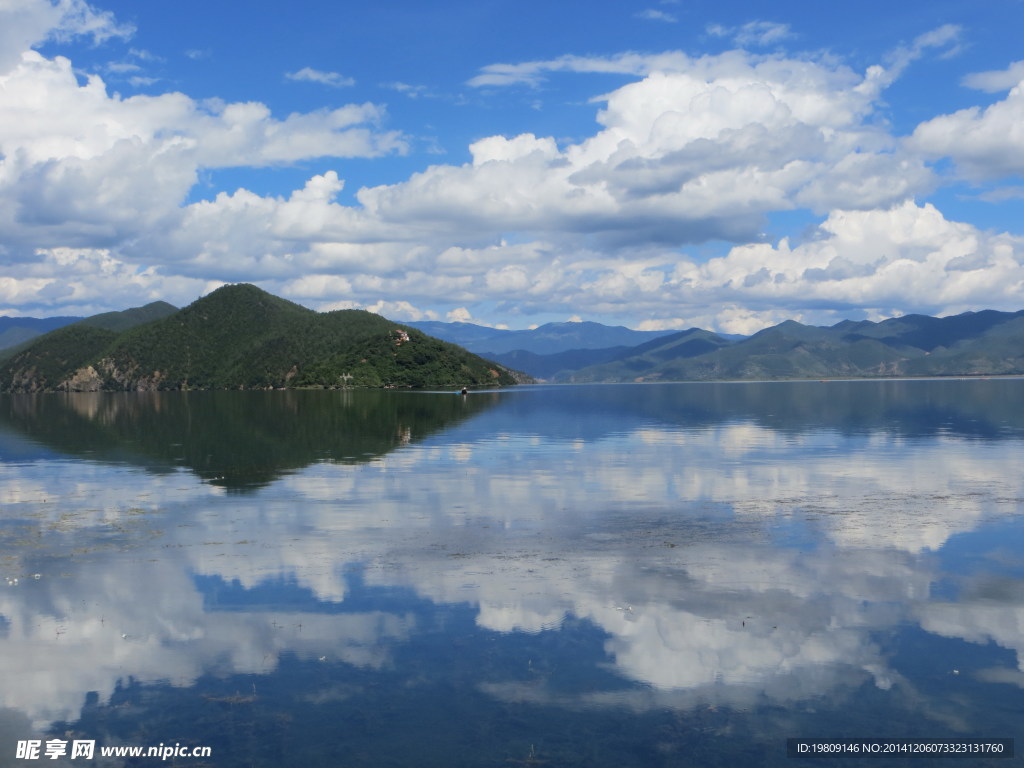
[972, 344]
[241, 337]
[15, 331]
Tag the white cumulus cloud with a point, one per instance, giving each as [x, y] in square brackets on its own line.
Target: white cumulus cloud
[985, 143]
[693, 150]
[997, 80]
[80, 167]
[26, 23]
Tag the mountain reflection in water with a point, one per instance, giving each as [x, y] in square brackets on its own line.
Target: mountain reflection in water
[619, 575]
[236, 439]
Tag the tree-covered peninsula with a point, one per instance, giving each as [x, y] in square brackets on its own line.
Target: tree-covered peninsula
[241, 337]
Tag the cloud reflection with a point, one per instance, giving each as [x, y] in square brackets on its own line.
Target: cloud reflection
[729, 562]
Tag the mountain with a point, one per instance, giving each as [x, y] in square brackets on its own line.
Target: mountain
[468, 335]
[619, 363]
[74, 328]
[974, 343]
[18, 330]
[43, 361]
[544, 340]
[645, 360]
[558, 365]
[15, 331]
[129, 318]
[241, 337]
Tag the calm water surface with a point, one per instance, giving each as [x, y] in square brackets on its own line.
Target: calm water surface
[667, 575]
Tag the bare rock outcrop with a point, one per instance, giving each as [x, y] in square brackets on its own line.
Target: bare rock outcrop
[83, 380]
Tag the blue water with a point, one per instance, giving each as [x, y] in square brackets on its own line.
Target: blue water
[655, 575]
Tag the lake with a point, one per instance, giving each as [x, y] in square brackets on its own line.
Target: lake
[628, 575]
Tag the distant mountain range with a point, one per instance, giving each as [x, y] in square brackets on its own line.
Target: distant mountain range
[240, 337]
[294, 349]
[18, 330]
[974, 343]
[551, 349]
[544, 340]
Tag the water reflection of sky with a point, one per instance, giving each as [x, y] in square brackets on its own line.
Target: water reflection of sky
[729, 564]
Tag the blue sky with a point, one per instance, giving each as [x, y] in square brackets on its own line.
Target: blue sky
[651, 164]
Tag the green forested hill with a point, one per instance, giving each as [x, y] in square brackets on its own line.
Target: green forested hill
[241, 337]
[129, 318]
[43, 361]
[109, 321]
[15, 331]
[51, 358]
